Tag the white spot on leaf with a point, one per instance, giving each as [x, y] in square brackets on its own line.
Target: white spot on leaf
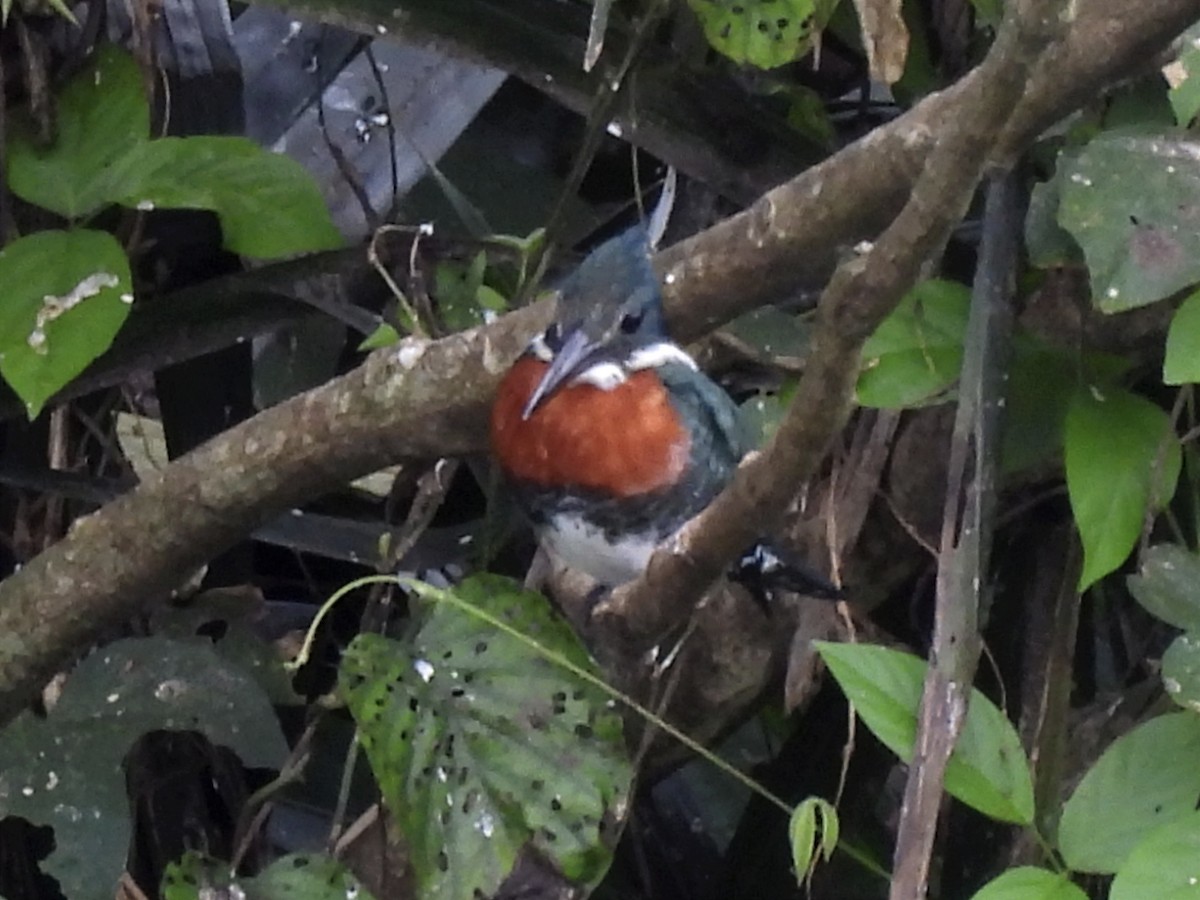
[486, 825]
[53, 306]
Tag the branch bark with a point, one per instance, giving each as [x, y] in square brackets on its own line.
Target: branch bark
[862, 292]
[429, 399]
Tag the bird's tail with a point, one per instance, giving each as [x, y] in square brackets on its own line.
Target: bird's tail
[766, 568]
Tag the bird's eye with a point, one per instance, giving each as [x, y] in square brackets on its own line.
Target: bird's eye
[553, 337]
[631, 322]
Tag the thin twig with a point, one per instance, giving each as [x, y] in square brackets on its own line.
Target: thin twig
[967, 526]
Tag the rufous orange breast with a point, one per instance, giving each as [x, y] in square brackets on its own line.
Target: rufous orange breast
[619, 442]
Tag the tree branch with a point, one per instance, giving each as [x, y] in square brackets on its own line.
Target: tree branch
[791, 238]
[862, 292]
[429, 399]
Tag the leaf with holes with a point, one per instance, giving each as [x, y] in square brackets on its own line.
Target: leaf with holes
[299, 876]
[1123, 461]
[763, 33]
[483, 747]
[1140, 245]
[65, 770]
[66, 294]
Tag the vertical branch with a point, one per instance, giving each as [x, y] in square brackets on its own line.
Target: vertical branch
[1052, 602]
[967, 528]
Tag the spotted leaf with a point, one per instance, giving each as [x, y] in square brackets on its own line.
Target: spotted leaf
[763, 33]
[1140, 245]
[483, 747]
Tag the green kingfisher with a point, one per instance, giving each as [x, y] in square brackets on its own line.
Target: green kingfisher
[609, 433]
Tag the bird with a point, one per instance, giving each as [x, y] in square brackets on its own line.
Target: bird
[608, 432]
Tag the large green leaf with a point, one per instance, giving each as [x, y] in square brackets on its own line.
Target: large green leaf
[1141, 245]
[1145, 778]
[65, 770]
[916, 352]
[1168, 585]
[482, 747]
[299, 876]
[102, 114]
[1162, 866]
[63, 297]
[1030, 883]
[1120, 454]
[763, 33]
[987, 770]
[268, 204]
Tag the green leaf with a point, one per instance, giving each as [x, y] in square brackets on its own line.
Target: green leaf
[269, 206]
[102, 114]
[987, 770]
[231, 613]
[811, 813]
[1141, 245]
[491, 300]
[988, 13]
[194, 873]
[916, 353]
[1049, 245]
[267, 203]
[1030, 883]
[808, 116]
[1163, 865]
[65, 296]
[760, 416]
[1118, 446]
[763, 33]
[1182, 363]
[383, 336]
[468, 213]
[771, 332]
[457, 288]
[1181, 671]
[802, 836]
[1043, 380]
[1168, 585]
[1144, 779]
[65, 770]
[482, 746]
[1185, 83]
[298, 876]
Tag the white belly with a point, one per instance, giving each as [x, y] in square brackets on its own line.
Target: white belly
[583, 546]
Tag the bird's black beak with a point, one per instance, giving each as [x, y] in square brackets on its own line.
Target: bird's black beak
[576, 348]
